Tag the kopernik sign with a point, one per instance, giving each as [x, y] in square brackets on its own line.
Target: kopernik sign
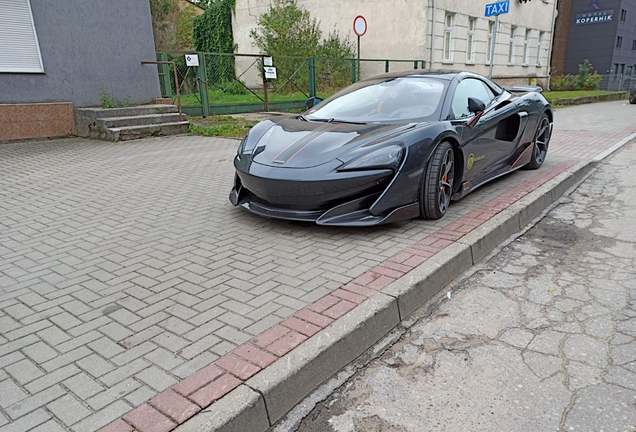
[596, 17]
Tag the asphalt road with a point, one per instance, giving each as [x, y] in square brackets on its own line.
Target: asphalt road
[542, 337]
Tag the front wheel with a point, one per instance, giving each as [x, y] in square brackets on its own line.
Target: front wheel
[437, 183]
[541, 143]
[632, 100]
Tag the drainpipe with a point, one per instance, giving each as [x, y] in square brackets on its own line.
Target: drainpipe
[432, 47]
[554, 12]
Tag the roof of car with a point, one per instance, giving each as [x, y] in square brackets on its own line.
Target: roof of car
[437, 73]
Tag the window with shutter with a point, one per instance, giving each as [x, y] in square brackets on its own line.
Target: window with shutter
[19, 48]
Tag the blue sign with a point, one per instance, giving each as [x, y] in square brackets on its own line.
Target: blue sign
[497, 8]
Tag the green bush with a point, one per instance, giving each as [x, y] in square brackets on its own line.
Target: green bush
[563, 83]
[287, 29]
[583, 81]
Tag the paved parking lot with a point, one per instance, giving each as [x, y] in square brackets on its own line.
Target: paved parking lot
[124, 268]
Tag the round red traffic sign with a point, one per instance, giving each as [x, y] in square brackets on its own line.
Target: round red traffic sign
[360, 25]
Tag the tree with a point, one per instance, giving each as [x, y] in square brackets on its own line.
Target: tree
[212, 32]
[287, 29]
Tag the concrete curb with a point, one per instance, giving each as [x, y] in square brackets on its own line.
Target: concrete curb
[590, 99]
[265, 398]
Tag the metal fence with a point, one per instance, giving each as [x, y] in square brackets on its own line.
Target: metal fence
[236, 83]
[618, 82]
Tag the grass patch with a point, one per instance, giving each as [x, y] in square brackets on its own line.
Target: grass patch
[550, 96]
[218, 97]
[221, 126]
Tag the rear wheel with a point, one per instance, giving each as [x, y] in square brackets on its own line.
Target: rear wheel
[437, 183]
[541, 143]
[632, 100]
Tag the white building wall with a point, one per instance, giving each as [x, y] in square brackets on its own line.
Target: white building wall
[401, 29]
[537, 15]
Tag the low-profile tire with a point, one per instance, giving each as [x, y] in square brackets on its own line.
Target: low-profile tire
[540, 143]
[437, 182]
[632, 100]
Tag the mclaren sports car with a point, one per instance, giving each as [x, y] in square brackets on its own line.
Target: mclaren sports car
[389, 148]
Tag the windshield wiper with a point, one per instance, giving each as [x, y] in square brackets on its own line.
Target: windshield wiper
[333, 120]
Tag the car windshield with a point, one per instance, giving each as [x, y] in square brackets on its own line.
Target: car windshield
[383, 100]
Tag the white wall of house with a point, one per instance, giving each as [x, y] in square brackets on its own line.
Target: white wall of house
[401, 29]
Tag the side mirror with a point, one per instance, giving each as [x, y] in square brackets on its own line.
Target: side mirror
[312, 102]
[475, 105]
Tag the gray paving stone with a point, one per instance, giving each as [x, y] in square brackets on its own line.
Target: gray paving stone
[10, 393]
[68, 409]
[31, 403]
[156, 378]
[51, 378]
[124, 372]
[102, 417]
[164, 359]
[53, 336]
[27, 423]
[95, 365]
[66, 358]
[39, 352]
[114, 393]
[105, 347]
[83, 386]
[24, 371]
[139, 396]
[49, 426]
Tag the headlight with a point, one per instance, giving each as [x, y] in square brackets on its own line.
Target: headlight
[241, 146]
[386, 157]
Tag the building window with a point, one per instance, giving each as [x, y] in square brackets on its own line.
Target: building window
[634, 45]
[491, 28]
[511, 46]
[526, 48]
[623, 15]
[449, 21]
[619, 42]
[470, 45]
[19, 47]
[540, 48]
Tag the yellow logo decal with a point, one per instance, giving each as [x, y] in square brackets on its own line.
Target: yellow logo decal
[472, 159]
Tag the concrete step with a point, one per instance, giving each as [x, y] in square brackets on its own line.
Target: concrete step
[99, 113]
[126, 133]
[149, 119]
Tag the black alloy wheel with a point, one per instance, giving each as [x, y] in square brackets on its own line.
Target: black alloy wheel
[541, 143]
[437, 183]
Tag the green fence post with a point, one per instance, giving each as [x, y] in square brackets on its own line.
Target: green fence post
[164, 75]
[203, 86]
[353, 71]
[312, 77]
[386, 66]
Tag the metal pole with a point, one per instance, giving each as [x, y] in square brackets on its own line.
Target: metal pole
[358, 58]
[492, 46]
[264, 84]
[176, 81]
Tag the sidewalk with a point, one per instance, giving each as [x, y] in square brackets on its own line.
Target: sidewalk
[126, 273]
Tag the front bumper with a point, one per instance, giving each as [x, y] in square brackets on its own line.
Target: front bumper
[319, 194]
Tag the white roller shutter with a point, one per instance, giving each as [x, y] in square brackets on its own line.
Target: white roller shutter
[19, 48]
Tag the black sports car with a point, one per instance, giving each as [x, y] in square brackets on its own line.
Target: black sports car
[390, 148]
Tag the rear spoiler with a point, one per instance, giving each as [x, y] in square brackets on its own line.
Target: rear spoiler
[523, 88]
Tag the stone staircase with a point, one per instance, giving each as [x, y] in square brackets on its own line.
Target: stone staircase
[122, 124]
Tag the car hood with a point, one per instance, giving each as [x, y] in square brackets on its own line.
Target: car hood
[293, 143]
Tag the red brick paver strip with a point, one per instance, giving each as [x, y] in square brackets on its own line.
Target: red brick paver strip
[147, 419]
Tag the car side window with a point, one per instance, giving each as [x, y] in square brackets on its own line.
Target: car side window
[469, 87]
